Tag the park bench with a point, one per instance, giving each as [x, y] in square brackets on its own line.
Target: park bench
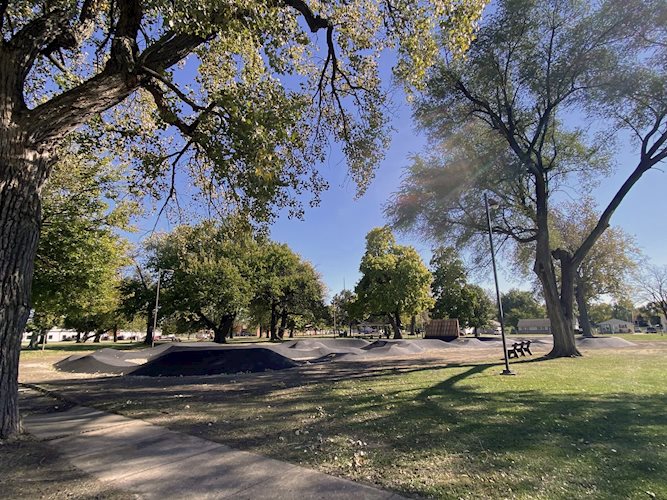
[517, 348]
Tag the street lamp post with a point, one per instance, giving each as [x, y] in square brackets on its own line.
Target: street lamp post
[501, 316]
[157, 302]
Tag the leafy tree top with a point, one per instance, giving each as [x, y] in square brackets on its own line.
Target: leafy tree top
[265, 97]
[394, 279]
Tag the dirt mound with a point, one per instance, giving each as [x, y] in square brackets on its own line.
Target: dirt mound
[433, 344]
[328, 343]
[475, 343]
[212, 361]
[97, 362]
[209, 358]
[603, 342]
[393, 346]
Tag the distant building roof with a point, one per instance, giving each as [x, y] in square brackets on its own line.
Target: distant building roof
[614, 321]
[534, 323]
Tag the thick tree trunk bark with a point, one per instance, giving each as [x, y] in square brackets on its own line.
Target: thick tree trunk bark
[396, 324]
[560, 306]
[219, 336]
[222, 331]
[283, 324]
[34, 339]
[22, 174]
[582, 305]
[273, 327]
[149, 328]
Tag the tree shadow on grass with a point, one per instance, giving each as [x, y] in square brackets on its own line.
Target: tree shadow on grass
[543, 442]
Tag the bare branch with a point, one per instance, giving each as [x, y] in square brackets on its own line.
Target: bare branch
[172, 86]
[315, 21]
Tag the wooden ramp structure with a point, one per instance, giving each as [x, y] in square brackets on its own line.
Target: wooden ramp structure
[443, 329]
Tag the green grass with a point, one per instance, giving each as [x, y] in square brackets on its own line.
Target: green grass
[592, 427]
[640, 337]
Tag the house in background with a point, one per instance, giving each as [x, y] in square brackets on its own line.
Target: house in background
[616, 326]
[535, 325]
[54, 335]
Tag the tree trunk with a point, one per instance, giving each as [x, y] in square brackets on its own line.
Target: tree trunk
[582, 305]
[149, 328]
[34, 339]
[283, 324]
[396, 324]
[560, 307]
[22, 173]
[115, 333]
[224, 329]
[273, 327]
[413, 322]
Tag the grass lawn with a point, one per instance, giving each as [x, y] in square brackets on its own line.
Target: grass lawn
[640, 337]
[569, 428]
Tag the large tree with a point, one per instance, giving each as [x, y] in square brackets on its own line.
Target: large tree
[652, 284]
[454, 296]
[343, 308]
[608, 267]
[520, 304]
[210, 273]
[119, 71]
[137, 298]
[394, 280]
[80, 255]
[285, 286]
[497, 123]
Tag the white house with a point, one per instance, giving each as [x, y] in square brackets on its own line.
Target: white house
[54, 335]
[534, 325]
[616, 326]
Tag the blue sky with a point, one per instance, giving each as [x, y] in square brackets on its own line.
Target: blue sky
[332, 236]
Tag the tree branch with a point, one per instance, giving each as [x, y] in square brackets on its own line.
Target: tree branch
[315, 21]
[65, 112]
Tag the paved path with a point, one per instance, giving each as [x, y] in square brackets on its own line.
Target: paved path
[155, 462]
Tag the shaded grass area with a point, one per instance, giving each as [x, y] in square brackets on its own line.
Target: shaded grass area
[31, 469]
[568, 428]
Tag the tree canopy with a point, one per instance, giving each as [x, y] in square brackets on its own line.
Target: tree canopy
[211, 273]
[607, 269]
[496, 122]
[239, 96]
[80, 255]
[520, 304]
[454, 296]
[653, 287]
[394, 280]
[286, 287]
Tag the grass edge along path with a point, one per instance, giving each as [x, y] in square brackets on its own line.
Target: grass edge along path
[564, 428]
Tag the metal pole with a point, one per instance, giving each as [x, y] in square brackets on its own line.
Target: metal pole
[501, 316]
[157, 300]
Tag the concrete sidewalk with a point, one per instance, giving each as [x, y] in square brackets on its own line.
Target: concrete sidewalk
[155, 462]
